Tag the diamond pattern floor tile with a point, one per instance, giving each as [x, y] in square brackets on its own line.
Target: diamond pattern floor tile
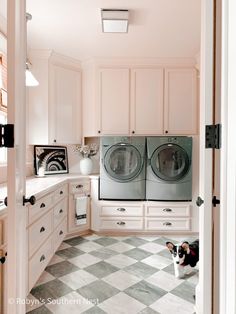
[114, 275]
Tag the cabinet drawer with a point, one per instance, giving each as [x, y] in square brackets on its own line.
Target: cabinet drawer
[121, 211]
[122, 224]
[59, 234]
[80, 187]
[60, 193]
[167, 224]
[39, 261]
[42, 205]
[167, 211]
[59, 211]
[39, 231]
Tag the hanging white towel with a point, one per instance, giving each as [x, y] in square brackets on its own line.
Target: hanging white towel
[81, 210]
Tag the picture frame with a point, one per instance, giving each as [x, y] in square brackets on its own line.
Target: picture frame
[49, 160]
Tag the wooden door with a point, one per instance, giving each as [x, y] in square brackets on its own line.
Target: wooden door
[147, 101]
[114, 101]
[181, 111]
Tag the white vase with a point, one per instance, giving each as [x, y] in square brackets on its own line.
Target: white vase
[86, 166]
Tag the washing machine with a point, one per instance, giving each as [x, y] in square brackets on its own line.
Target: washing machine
[122, 168]
[169, 168]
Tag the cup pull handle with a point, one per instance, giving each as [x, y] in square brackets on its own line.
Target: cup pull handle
[121, 223]
[42, 229]
[79, 186]
[61, 232]
[167, 223]
[121, 209]
[42, 205]
[61, 211]
[168, 210]
[42, 258]
[61, 192]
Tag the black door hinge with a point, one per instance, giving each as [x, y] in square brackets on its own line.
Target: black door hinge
[213, 136]
[6, 135]
[215, 201]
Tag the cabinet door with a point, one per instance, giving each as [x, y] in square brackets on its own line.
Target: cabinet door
[181, 114]
[114, 101]
[65, 105]
[147, 101]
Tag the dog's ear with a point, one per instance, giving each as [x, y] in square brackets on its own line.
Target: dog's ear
[170, 245]
[185, 246]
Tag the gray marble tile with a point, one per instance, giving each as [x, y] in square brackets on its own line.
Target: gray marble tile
[169, 269]
[40, 310]
[140, 270]
[95, 310]
[105, 241]
[165, 253]
[137, 254]
[148, 310]
[163, 240]
[101, 269]
[61, 269]
[103, 253]
[145, 292]
[69, 253]
[186, 291]
[76, 241]
[135, 241]
[53, 289]
[98, 290]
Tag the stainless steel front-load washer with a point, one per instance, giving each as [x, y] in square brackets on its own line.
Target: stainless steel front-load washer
[169, 168]
[122, 168]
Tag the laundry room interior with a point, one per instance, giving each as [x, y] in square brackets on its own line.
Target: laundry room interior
[112, 156]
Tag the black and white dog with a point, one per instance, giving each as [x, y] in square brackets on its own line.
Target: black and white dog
[184, 254]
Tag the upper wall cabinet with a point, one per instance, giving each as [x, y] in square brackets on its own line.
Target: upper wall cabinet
[141, 100]
[180, 105]
[114, 101]
[55, 105]
[146, 101]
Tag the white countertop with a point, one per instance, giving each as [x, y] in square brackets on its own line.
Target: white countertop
[39, 186]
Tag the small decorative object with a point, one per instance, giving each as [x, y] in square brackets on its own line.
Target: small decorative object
[50, 160]
[86, 151]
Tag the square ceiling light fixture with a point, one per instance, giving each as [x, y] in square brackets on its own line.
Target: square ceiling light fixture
[115, 20]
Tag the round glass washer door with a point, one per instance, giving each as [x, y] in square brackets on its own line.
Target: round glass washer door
[170, 162]
[123, 162]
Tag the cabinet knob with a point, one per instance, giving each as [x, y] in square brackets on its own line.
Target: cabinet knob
[133, 132]
[61, 232]
[31, 200]
[99, 131]
[54, 140]
[61, 192]
[61, 211]
[166, 131]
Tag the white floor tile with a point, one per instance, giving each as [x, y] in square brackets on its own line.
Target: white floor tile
[151, 247]
[149, 238]
[157, 261]
[84, 260]
[72, 303]
[164, 280]
[172, 304]
[89, 246]
[122, 304]
[120, 260]
[78, 279]
[120, 247]
[121, 279]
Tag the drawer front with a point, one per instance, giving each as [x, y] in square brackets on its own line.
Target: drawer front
[59, 212]
[42, 205]
[168, 211]
[122, 211]
[60, 193]
[122, 224]
[59, 234]
[39, 261]
[80, 187]
[167, 224]
[39, 231]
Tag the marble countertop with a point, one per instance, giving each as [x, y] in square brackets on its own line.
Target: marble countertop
[38, 186]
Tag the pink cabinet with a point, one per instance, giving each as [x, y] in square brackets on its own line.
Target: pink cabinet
[180, 101]
[113, 101]
[147, 101]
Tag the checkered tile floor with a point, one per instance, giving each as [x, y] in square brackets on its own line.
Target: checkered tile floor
[96, 274]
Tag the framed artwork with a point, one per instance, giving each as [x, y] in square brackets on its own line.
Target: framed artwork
[50, 160]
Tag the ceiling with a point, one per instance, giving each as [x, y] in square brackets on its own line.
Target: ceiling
[158, 28]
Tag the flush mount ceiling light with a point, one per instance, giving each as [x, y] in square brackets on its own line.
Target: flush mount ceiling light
[115, 20]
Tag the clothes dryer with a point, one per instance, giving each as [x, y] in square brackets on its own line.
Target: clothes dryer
[122, 168]
[169, 168]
